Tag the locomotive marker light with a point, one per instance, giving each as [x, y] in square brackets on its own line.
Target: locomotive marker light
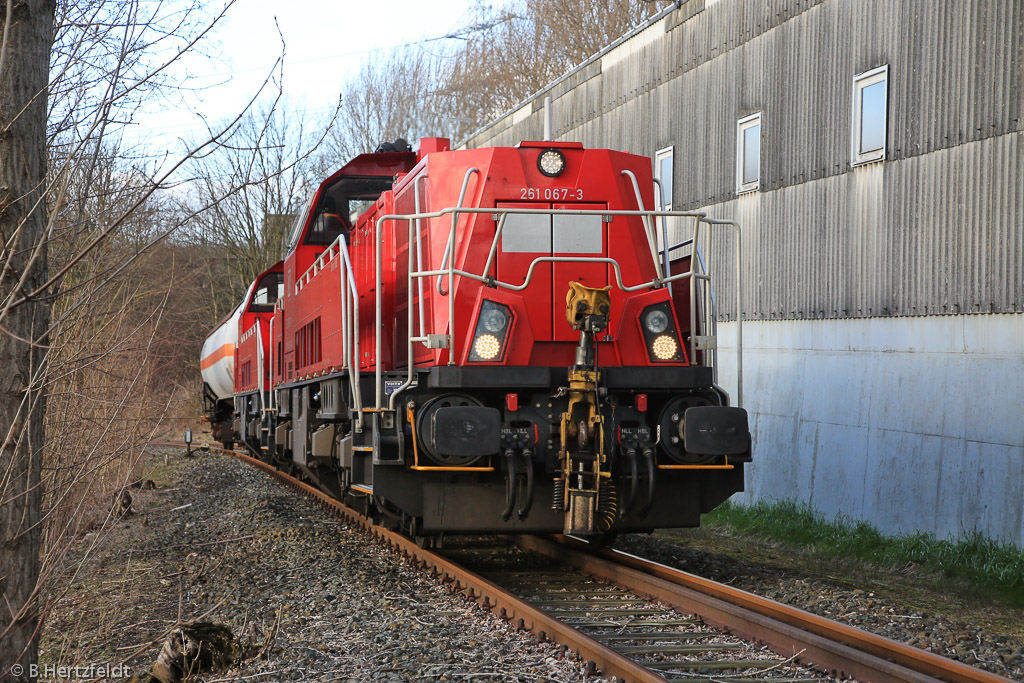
[660, 333]
[487, 347]
[551, 163]
[492, 332]
[664, 347]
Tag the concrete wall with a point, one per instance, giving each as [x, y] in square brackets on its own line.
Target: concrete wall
[911, 423]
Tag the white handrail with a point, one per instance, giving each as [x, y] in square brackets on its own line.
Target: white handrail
[693, 292]
[273, 394]
[419, 250]
[697, 272]
[354, 361]
[260, 380]
[652, 241]
[739, 301]
[666, 266]
[413, 225]
[449, 249]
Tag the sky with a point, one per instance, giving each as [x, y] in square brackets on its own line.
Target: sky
[324, 42]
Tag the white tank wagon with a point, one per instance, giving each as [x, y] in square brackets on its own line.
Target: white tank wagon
[217, 359]
[217, 365]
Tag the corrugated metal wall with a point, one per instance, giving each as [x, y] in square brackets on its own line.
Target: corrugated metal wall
[936, 228]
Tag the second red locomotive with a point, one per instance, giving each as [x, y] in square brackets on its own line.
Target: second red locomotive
[489, 340]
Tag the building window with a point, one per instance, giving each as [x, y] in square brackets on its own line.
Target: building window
[748, 153]
[663, 172]
[870, 94]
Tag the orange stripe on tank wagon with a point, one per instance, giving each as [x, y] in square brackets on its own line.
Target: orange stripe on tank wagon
[219, 354]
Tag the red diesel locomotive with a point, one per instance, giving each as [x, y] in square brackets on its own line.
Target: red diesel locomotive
[486, 340]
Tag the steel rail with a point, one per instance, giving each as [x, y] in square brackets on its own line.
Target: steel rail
[489, 595]
[828, 644]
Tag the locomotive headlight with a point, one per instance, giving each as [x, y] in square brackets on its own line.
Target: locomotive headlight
[664, 347]
[551, 162]
[656, 321]
[487, 347]
[493, 319]
[661, 334]
[493, 330]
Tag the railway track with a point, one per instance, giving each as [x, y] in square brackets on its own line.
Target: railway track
[637, 620]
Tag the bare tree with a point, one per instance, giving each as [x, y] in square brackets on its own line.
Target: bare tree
[246, 193]
[97, 306]
[504, 55]
[397, 96]
[84, 305]
[27, 29]
[569, 31]
[524, 45]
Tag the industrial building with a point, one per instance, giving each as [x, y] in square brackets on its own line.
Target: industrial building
[872, 152]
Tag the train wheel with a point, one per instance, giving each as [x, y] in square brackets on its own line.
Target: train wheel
[428, 541]
[603, 539]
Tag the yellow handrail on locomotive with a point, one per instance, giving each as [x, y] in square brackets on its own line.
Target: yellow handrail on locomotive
[726, 466]
[436, 468]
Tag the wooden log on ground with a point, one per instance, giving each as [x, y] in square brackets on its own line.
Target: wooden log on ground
[191, 649]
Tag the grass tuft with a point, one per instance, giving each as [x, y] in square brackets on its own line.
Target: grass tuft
[992, 567]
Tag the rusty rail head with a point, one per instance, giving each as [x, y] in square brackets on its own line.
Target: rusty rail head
[831, 646]
[520, 613]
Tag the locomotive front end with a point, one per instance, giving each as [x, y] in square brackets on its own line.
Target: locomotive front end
[571, 376]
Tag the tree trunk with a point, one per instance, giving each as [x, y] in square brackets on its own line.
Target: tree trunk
[26, 29]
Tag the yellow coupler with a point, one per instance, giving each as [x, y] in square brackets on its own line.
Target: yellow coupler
[587, 309]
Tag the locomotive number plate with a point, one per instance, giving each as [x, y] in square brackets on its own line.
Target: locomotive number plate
[551, 193]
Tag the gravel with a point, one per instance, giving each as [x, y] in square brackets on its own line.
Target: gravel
[311, 599]
[321, 600]
[945, 632]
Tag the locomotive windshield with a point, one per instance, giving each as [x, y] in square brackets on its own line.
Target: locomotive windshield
[269, 289]
[326, 228]
[352, 195]
[300, 221]
[337, 208]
